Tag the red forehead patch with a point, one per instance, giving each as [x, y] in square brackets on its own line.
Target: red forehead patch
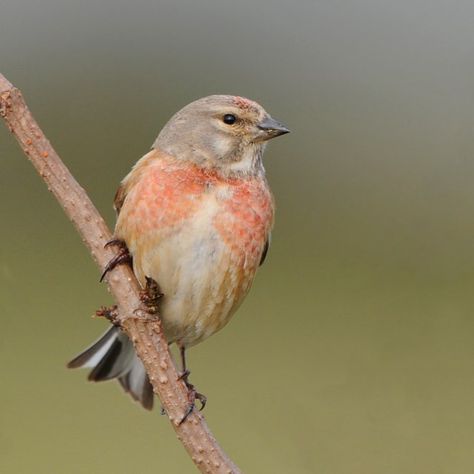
[244, 103]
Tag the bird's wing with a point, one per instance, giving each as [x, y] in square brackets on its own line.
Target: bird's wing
[119, 198]
[265, 249]
[131, 179]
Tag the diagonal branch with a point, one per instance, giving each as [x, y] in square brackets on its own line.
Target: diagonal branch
[145, 333]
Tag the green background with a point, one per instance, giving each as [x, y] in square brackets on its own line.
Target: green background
[354, 351]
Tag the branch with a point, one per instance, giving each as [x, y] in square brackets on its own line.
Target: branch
[146, 334]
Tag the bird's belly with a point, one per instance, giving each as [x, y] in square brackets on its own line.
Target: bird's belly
[203, 281]
[201, 241]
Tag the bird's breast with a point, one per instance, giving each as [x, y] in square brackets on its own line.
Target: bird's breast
[201, 239]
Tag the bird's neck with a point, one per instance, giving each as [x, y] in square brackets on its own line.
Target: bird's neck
[243, 162]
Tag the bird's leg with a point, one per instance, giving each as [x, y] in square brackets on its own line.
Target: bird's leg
[193, 394]
[123, 256]
[184, 371]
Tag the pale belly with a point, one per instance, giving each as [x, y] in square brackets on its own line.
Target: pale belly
[202, 277]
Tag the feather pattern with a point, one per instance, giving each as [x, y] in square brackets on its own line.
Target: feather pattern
[202, 241]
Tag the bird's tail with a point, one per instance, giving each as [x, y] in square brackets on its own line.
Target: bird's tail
[113, 356]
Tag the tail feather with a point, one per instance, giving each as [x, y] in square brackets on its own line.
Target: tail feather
[136, 383]
[91, 356]
[113, 356]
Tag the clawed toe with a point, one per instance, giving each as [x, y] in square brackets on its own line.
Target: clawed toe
[184, 377]
[123, 256]
[193, 395]
[202, 400]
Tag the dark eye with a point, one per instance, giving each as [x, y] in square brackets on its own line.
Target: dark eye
[229, 119]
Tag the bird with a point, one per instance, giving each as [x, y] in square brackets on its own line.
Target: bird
[194, 215]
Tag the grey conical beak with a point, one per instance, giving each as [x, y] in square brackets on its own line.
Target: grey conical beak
[272, 127]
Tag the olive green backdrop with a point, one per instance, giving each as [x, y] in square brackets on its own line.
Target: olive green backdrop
[354, 351]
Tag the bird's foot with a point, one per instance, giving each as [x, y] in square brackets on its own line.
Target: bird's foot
[151, 295]
[123, 256]
[193, 395]
[184, 377]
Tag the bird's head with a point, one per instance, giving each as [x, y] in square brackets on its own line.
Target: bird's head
[222, 132]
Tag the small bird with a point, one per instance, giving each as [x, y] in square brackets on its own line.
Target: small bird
[194, 215]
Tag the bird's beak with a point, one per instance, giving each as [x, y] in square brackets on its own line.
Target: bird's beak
[272, 128]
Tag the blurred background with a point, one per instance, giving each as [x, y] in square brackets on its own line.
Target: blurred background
[354, 351]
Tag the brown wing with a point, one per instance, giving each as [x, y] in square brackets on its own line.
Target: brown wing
[119, 198]
[132, 178]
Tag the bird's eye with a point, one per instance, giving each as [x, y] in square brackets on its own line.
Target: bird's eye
[229, 119]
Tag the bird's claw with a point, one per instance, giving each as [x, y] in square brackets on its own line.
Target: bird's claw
[123, 256]
[184, 377]
[193, 395]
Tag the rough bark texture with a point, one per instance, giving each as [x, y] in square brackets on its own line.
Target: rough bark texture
[143, 330]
